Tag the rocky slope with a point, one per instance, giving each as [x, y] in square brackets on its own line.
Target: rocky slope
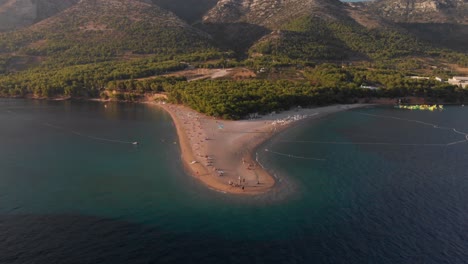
[239, 24]
[191, 11]
[421, 11]
[271, 14]
[101, 30]
[440, 22]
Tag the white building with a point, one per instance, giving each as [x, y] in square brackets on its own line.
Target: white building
[459, 81]
[425, 78]
[369, 87]
[420, 78]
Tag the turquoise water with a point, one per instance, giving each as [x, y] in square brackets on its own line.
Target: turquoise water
[73, 189]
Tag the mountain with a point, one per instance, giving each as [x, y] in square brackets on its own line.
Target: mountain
[270, 14]
[101, 30]
[421, 11]
[76, 52]
[239, 24]
[20, 13]
[440, 22]
[191, 11]
[87, 31]
[82, 47]
[307, 30]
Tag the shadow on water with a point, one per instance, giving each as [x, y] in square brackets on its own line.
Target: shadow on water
[365, 204]
[72, 239]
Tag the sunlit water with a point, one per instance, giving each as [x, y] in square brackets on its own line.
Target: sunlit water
[73, 189]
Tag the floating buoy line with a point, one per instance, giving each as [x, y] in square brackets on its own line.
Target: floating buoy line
[454, 130]
[77, 133]
[293, 156]
[434, 126]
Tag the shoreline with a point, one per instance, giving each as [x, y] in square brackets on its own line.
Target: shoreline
[222, 154]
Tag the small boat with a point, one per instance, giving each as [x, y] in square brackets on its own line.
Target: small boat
[193, 162]
[135, 143]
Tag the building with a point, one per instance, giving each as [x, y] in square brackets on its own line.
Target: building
[459, 81]
[420, 78]
[369, 87]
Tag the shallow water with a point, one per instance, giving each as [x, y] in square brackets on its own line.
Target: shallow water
[69, 195]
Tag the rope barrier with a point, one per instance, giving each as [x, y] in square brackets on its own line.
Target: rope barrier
[76, 132]
[292, 156]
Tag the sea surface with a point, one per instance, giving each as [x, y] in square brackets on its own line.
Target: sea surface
[370, 185]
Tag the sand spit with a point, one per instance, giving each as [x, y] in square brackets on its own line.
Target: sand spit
[221, 153]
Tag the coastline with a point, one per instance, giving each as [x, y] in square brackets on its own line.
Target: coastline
[224, 159]
[221, 153]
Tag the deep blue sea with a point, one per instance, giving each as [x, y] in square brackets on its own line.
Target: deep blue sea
[370, 185]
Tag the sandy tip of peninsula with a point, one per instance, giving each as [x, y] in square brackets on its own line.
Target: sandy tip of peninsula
[221, 153]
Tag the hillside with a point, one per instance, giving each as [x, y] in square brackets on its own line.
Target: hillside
[420, 11]
[86, 48]
[15, 14]
[79, 50]
[192, 11]
[239, 24]
[308, 30]
[443, 23]
[97, 30]
[270, 14]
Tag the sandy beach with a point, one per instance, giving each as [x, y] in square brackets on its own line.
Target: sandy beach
[221, 153]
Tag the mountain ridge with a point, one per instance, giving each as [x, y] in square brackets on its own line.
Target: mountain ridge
[420, 11]
[270, 14]
[89, 31]
[119, 48]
